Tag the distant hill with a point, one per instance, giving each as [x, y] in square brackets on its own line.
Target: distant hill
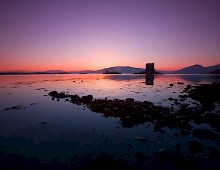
[215, 72]
[55, 72]
[120, 69]
[33, 72]
[81, 72]
[194, 69]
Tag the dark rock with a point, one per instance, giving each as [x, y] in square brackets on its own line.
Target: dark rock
[163, 155]
[204, 134]
[108, 162]
[171, 99]
[206, 94]
[129, 100]
[18, 107]
[195, 146]
[188, 86]
[180, 82]
[178, 147]
[141, 139]
[75, 98]
[140, 156]
[55, 94]
[129, 145]
[213, 120]
[183, 96]
[87, 99]
[147, 103]
[176, 103]
[184, 132]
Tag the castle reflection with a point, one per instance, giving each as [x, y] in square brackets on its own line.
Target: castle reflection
[149, 79]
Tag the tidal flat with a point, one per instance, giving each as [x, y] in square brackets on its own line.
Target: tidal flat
[110, 121]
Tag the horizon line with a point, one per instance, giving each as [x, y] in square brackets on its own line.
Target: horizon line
[100, 69]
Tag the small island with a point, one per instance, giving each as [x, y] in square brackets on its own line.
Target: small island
[144, 72]
[111, 72]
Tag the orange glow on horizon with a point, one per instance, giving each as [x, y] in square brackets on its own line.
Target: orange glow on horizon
[94, 62]
[75, 67]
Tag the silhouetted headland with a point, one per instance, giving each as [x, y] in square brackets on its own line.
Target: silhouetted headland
[215, 72]
[112, 72]
[194, 69]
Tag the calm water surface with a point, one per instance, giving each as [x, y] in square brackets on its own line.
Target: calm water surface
[74, 129]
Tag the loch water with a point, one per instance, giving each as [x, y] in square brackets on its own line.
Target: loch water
[34, 125]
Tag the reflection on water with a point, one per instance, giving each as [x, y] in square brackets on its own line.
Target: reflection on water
[149, 79]
[74, 129]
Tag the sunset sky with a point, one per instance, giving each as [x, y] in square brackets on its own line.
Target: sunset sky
[70, 35]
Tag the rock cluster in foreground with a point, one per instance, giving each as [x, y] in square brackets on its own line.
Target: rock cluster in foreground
[132, 113]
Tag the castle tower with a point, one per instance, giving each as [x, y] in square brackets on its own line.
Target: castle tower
[149, 74]
[150, 68]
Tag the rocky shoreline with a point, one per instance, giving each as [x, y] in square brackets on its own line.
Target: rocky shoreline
[202, 143]
[132, 113]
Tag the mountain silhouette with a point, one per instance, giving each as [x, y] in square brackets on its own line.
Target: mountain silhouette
[194, 69]
[120, 69]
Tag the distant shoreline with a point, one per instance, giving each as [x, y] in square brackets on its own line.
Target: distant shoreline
[8, 74]
[194, 69]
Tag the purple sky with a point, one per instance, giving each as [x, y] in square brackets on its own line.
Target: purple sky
[92, 34]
